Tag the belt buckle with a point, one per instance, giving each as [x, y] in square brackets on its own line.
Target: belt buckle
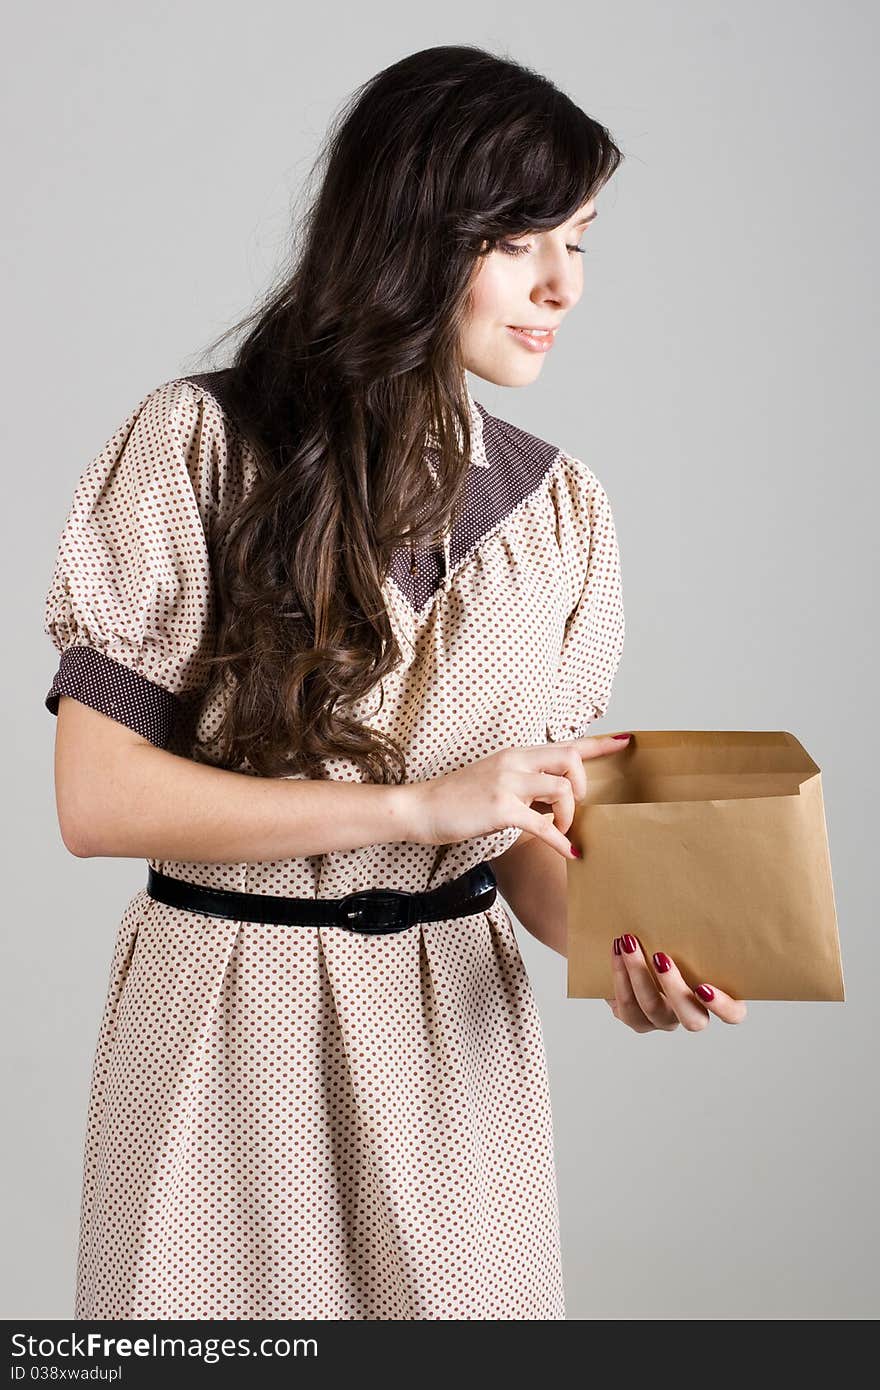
[395, 909]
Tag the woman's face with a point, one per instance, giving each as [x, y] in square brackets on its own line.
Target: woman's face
[527, 282]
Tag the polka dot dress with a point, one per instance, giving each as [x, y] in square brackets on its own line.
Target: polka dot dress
[307, 1122]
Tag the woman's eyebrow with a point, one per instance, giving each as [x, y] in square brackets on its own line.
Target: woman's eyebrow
[584, 220]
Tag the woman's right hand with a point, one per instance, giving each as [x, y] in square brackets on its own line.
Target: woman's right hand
[497, 792]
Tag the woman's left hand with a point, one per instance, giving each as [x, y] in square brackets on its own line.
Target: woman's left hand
[656, 996]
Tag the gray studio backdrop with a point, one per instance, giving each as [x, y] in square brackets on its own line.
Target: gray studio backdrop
[715, 376]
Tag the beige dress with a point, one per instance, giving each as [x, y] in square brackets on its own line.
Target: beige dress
[306, 1122]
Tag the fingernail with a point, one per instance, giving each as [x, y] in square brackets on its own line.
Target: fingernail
[705, 992]
[621, 735]
[617, 945]
[662, 962]
[576, 852]
[628, 943]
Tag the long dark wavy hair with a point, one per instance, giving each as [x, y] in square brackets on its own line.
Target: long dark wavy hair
[350, 364]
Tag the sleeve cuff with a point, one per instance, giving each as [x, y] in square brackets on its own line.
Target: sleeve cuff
[97, 680]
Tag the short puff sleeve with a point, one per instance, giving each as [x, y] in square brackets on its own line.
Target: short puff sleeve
[593, 639]
[130, 605]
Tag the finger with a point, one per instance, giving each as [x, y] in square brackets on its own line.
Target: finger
[577, 773]
[567, 760]
[630, 1009]
[599, 745]
[679, 994]
[724, 1006]
[542, 827]
[638, 1023]
[649, 997]
[567, 757]
[562, 822]
[556, 792]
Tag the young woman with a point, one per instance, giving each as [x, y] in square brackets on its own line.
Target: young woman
[320, 1086]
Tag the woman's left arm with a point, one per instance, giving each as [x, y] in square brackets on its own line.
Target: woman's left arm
[532, 877]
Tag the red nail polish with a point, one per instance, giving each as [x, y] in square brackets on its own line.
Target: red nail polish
[617, 945]
[576, 852]
[705, 992]
[621, 735]
[662, 962]
[628, 943]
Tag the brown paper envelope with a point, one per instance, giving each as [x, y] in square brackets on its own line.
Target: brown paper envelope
[711, 846]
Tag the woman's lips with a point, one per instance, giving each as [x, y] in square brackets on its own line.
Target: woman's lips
[535, 344]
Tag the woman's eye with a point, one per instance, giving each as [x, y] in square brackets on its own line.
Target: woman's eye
[510, 249]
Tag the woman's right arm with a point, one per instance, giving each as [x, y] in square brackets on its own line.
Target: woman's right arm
[117, 795]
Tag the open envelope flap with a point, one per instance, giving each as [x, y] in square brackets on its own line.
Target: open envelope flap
[699, 765]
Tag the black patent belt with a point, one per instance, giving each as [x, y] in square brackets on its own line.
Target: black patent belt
[376, 911]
